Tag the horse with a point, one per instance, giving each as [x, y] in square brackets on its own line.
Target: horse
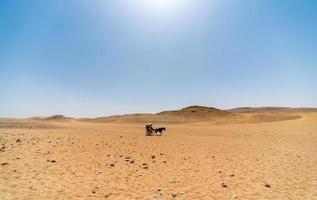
[159, 130]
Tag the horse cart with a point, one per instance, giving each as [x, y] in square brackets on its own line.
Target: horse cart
[150, 131]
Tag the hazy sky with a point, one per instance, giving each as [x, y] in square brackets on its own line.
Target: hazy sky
[103, 57]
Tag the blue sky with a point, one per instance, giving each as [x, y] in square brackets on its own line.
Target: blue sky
[87, 58]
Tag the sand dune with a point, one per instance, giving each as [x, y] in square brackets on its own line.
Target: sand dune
[186, 115]
[57, 118]
[75, 159]
[195, 114]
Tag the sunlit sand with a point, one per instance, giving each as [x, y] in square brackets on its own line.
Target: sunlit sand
[242, 154]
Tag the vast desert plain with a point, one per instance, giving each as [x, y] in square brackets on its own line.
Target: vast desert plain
[264, 153]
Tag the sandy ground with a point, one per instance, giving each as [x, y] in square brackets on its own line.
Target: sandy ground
[81, 160]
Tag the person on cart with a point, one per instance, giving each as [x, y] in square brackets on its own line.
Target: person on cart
[149, 129]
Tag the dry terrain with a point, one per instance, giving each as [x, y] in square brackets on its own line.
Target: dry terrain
[205, 153]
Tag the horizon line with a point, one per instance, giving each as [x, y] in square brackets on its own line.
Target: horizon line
[132, 113]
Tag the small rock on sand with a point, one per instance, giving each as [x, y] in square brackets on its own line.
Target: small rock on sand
[267, 185]
[108, 195]
[224, 185]
[174, 194]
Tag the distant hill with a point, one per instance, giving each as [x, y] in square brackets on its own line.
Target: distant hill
[57, 118]
[197, 112]
[269, 109]
[194, 114]
[256, 109]
[185, 115]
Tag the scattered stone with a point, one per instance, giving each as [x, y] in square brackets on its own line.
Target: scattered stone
[18, 140]
[5, 163]
[174, 194]
[153, 156]
[145, 166]
[232, 174]
[108, 195]
[267, 185]
[224, 185]
[159, 190]
[219, 171]
[112, 164]
[234, 196]
[132, 161]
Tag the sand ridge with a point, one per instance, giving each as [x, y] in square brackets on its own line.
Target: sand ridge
[197, 114]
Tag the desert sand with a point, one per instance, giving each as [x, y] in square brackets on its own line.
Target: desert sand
[204, 154]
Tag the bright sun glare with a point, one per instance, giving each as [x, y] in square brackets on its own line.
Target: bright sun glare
[163, 4]
[163, 7]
